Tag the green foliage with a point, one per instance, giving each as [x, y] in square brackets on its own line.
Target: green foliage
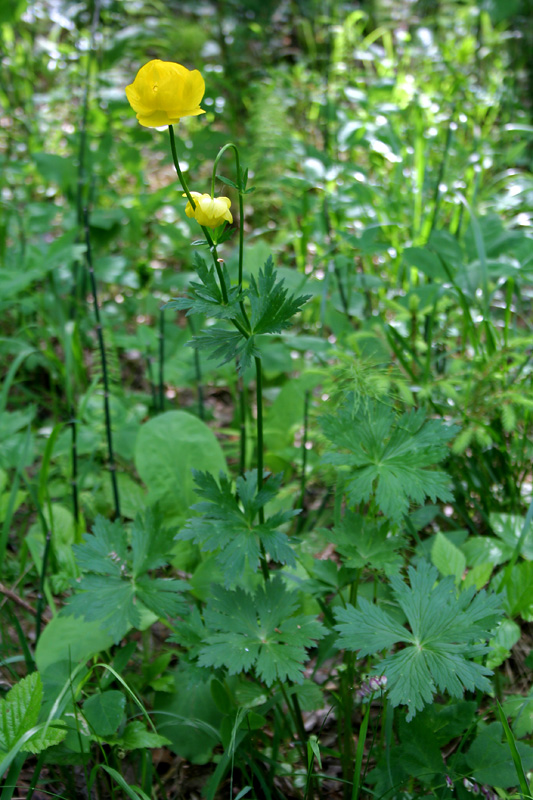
[272, 311]
[19, 713]
[259, 631]
[366, 542]
[104, 712]
[169, 478]
[490, 760]
[444, 637]
[115, 585]
[228, 523]
[388, 455]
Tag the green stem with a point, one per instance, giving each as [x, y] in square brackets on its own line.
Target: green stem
[242, 423]
[240, 189]
[74, 458]
[198, 374]
[260, 450]
[304, 450]
[99, 331]
[208, 237]
[40, 596]
[161, 337]
[296, 714]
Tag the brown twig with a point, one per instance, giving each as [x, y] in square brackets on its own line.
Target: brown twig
[19, 601]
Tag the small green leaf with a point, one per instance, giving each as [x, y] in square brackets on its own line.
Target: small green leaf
[104, 712]
[137, 737]
[448, 559]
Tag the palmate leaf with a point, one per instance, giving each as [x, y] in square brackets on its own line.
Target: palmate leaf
[272, 310]
[230, 526]
[116, 586]
[445, 632]
[389, 456]
[259, 631]
[227, 345]
[362, 541]
[205, 297]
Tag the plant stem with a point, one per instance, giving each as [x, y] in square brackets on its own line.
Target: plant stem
[198, 373]
[242, 423]
[40, 596]
[260, 446]
[161, 337]
[99, 331]
[208, 237]
[74, 458]
[304, 449]
[296, 714]
[240, 189]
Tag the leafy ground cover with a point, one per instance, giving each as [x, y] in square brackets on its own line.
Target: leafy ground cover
[265, 469]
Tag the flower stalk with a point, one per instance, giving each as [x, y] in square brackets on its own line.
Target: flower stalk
[99, 331]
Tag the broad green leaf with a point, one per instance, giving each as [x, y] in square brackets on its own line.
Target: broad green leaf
[116, 589]
[507, 635]
[520, 709]
[518, 592]
[508, 528]
[234, 531]
[104, 712]
[365, 542]
[388, 457]
[260, 632]
[478, 576]
[189, 717]
[448, 559]
[168, 447]
[137, 737]
[445, 633]
[19, 710]
[490, 760]
[69, 641]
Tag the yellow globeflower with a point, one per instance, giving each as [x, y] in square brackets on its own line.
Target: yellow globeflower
[163, 92]
[210, 211]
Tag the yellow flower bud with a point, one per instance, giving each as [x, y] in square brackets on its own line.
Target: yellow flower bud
[163, 92]
[210, 211]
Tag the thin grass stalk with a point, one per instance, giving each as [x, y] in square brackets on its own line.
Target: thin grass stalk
[12, 777]
[42, 578]
[260, 455]
[35, 776]
[240, 385]
[198, 374]
[242, 425]
[78, 287]
[297, 719]
[24, 645]
[150, 372]
[359, 754]
[303, 477]
[517, 761]
[437, 194]
[74, 466]
[100, 334]
[161, 337]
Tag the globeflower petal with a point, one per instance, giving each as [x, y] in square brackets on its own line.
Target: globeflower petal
[163, 92]
[209, 211]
